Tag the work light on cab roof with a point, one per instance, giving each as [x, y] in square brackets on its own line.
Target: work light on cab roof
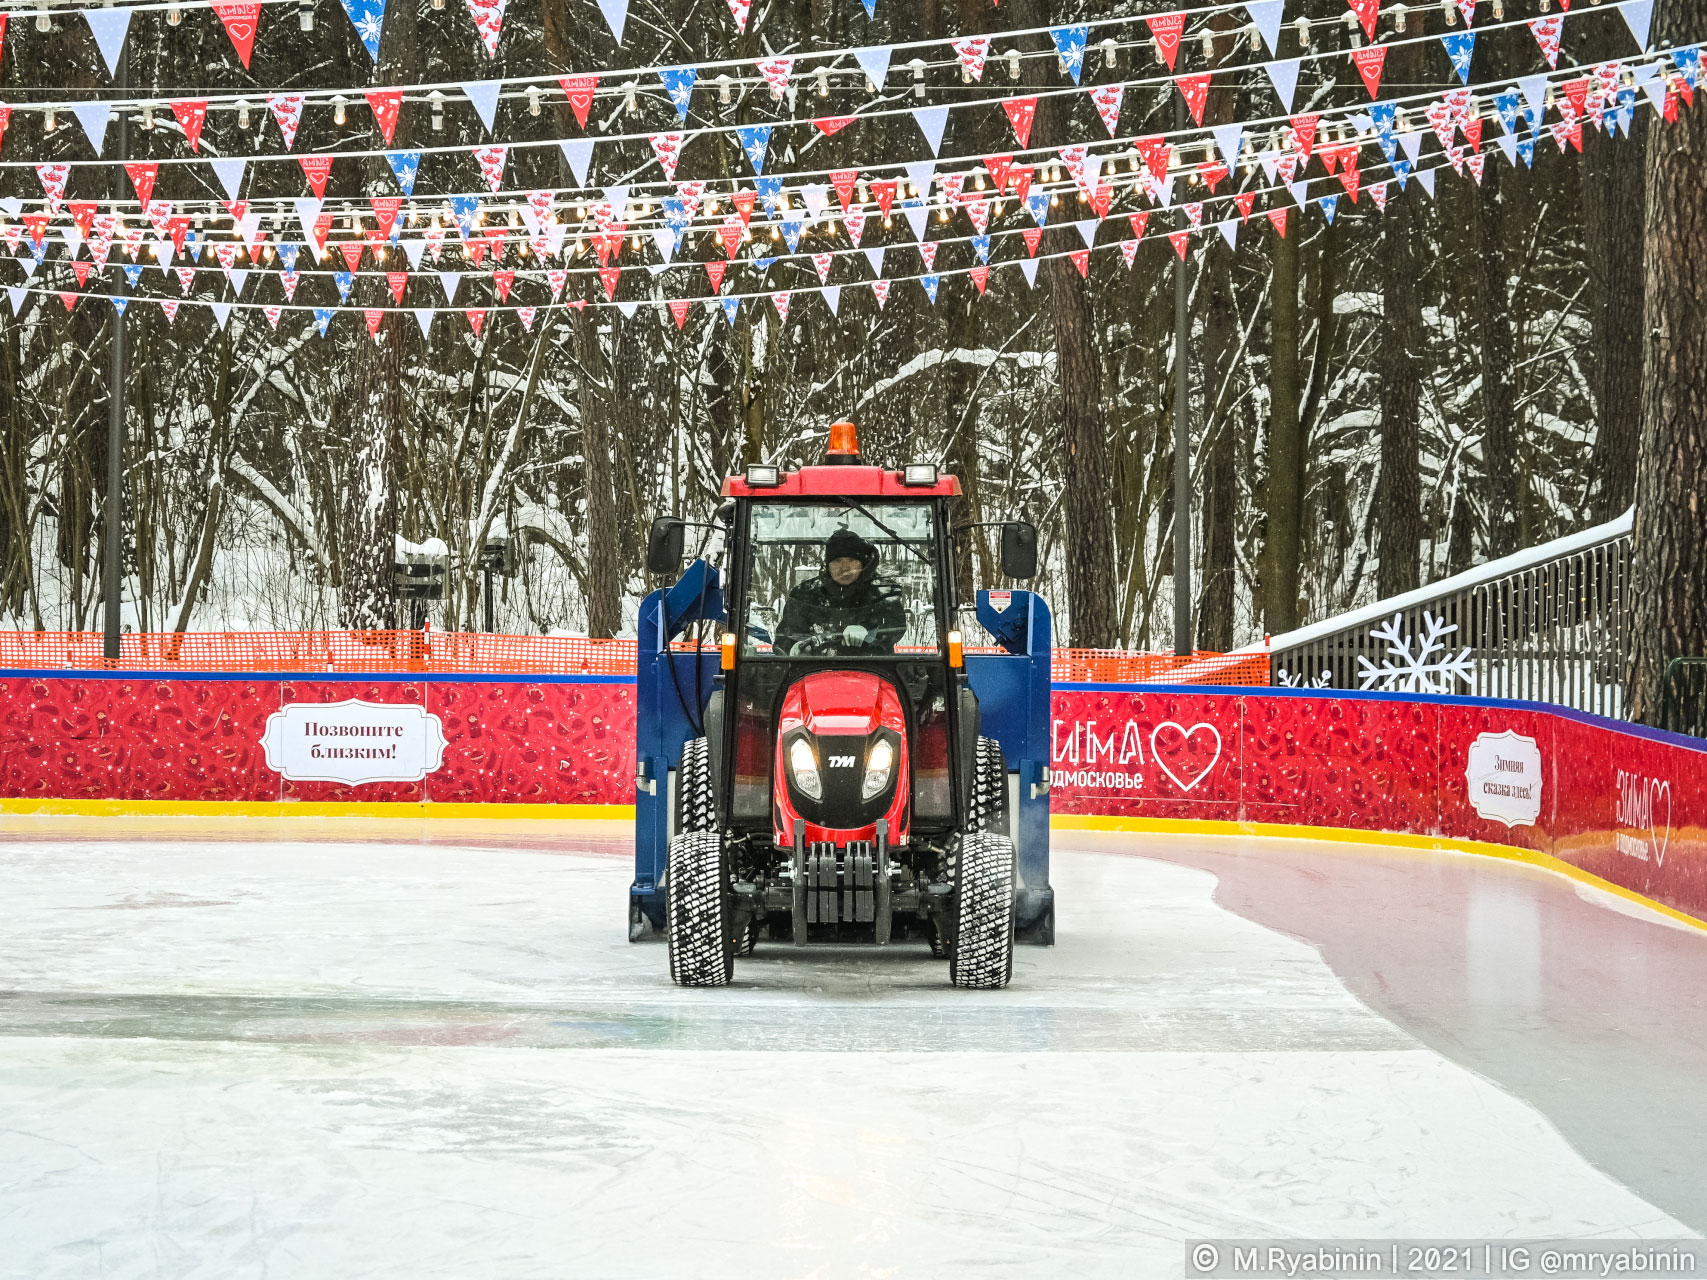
[843, 472]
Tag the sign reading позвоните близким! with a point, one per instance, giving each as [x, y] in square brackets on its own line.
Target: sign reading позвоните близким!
[354, 742]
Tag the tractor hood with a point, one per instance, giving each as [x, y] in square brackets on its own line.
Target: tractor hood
[842, 704]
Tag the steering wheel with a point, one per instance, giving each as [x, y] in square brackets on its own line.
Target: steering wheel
[815, 644]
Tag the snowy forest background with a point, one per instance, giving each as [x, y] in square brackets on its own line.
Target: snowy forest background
[1376, 403]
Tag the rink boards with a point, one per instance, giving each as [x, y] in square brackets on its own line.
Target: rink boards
[1604, 799]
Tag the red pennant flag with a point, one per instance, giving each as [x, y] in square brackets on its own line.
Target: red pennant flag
[1213, 174]
[1167, 29]
[1021, 112]
[240, 22]
[83, 214]
[385, 209]
[1370, 60]
[1304, 134]
[1195, 91]
[80, 269]
[885, 193]
[475, 320]
[1181, 240]
[679, 309]
[503, 280]
[843, 180]
[315, 169]
[69, 299]
[192, 114]
[1367, 11]
[322, 229]
[5, 111]
[715, 270]
[1139, 222]
[730, 234]
[238, 209]
[1245, 200]
[1102, 198]
[1082, 260]
[179, 229]
[374, 316]
[1278, 218]
[998, 168]
[743, 201]
[352, 251]
[829, 126]
[1351, 177]
[1473, 132]
[1020, 176]
[397, 279]
[1157, 156]
[610, 276]
[386, 104]
[1033, 237]
[142, 175]
[36, 224]
[981, 277]
[1576, 93]
[579, 91]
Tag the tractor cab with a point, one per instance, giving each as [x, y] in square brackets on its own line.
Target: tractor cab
[833, 781]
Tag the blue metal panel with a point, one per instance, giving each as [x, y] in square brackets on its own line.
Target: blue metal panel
[671, 690]
[1013, 691]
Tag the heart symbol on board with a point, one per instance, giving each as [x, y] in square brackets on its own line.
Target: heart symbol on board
[1186, 736]
[1657, 841]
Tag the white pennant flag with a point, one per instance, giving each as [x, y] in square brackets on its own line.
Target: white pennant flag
[1088, 231]
[449, 280]
[250, 227]
[308, 213]
[1265, 16]
[221, 312]
[1283, 74]
[484, 95]
[109, 26]
[239, 278]
[230, 175]
[16, 294]
[932, 122]
[12, 205]
[875, 258]
[424, 318]
[165, 251]
[1029, 266]
[1411, 143]
[1426, 177]
[814, 195]
[1534, 90]
[414, 249]
[1508, 144]
[628, 309]
[875, 64]
[616, 14]
[833, 296]
[93, 116]
[618, 198]
[1300, 193]
[665, 239]
[1229, 232]
[917, 217]
[1639, 14]
[920, 173]
[1270, 166]
[579, 154]
[1229, 138]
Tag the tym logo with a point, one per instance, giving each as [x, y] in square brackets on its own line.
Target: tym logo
[841, 762]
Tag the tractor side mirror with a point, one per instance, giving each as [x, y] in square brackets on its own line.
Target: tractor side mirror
[665, 546]
[1019, 550]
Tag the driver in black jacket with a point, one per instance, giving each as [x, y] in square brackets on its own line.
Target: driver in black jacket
[844, 609]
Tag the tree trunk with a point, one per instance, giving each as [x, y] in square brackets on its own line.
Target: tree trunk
[604, 576]
[1613, 181]
[1285, 491]
[1088, 536]
[1398, 515]
[1669, 619]
[372, 424]
[1500, 464]
[1220, 479]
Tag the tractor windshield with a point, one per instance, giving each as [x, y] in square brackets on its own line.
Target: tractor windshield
[841, 579]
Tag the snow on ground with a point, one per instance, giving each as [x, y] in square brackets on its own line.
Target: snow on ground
[235, 1058]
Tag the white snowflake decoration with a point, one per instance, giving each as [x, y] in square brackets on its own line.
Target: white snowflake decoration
[1322, 680]
[1430, 670]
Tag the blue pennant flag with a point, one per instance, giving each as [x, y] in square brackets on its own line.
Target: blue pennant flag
[930, 283]
[119, 304]
[1460, 48]
[1037, 203]
[465, 209]
[368, 17]
[133, 274]
[982, 245]
[762, 265]
[343, 279]
[1330, 206]
[1383, 115]
[1626, 108]
[730, 307]
[1070, 44]
[287, 252]
[755, 141]
[323, 317]
[1526, 149]
[1533, 116]
[791, 229]
[39, 251]
[678, 83]
[1402, 171]
[675, 213]
[404, 166]
[1506, 105]
[770, 194]
[1689, 63]
[870, 8]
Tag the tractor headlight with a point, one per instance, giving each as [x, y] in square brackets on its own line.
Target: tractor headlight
[879, 764]
[803, 764]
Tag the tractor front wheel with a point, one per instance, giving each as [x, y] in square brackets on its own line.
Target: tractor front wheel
[983, 953]
[697, 905]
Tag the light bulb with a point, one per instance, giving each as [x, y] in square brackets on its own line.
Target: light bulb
[1013, 64]
[1055, 201]
[147, 116]
[1353, 30]
[534, 93]
[174, 16]
[629, 104]
[305, 15]
[823, 82]
[242, 113]
[723, 94]
[50, 121]
[437, 100]
[978, 182]
[1448, 10]
[1302, 27]
[339, 103]
[918, 69]
[1399, 17]
[44, 21]
[1110, 53]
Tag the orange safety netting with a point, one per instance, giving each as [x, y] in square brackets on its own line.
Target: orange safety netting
[480, 653]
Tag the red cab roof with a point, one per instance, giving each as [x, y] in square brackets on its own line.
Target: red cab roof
[839, 482]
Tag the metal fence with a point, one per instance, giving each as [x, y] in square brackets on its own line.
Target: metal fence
[1549, 624]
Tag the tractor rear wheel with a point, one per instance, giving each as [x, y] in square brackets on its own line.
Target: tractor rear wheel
[696, 805]
[697, 906]
[983, 954]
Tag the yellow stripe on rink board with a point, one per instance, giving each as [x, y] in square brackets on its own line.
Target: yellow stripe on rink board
[274, 809]
[1353, 836]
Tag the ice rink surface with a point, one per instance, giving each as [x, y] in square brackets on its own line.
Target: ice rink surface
[231, 1051]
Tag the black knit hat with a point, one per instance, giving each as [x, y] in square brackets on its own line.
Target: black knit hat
[846, 544]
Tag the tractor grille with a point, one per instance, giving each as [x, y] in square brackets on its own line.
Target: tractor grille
[840, 883]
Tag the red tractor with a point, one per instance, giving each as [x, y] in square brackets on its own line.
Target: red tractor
[826, 774]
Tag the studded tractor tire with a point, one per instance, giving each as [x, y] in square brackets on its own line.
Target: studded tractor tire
[989, 807]
[697, 908]
[984, 912]
[696, 804]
